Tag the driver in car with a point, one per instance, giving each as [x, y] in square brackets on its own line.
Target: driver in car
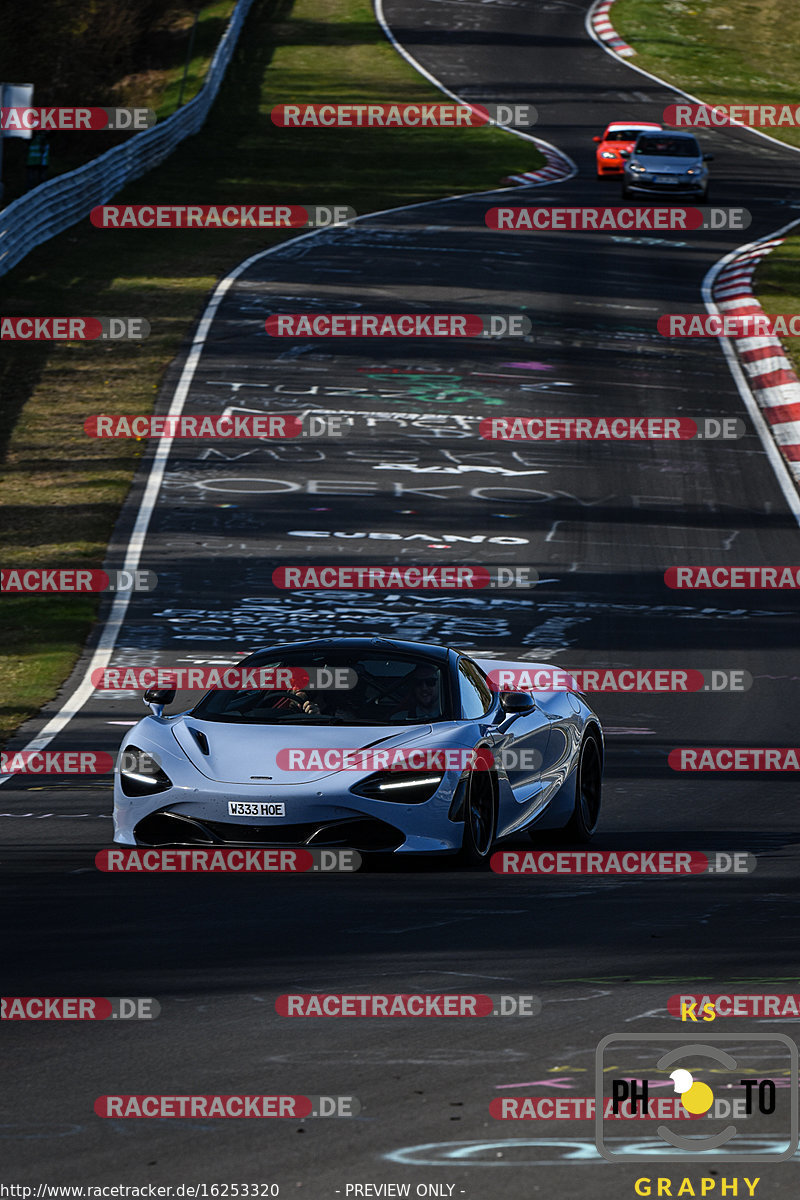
[425, 699]
[298, 701]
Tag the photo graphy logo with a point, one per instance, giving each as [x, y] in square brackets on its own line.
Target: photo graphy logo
[682, 1065]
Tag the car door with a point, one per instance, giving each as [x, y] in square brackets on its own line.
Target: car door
[518, 740]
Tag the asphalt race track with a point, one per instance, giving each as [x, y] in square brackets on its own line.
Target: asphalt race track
[601, 523]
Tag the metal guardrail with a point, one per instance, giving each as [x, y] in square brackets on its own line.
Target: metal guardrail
[53, 206]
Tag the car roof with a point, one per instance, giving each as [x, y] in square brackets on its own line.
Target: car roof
[362, 644]
[643, 125]
[681, 134]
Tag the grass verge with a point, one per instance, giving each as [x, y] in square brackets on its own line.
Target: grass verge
[722, 51]
[61, 490]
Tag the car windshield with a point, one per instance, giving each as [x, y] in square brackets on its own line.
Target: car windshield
[344, 689]
[659, 146]
[622, 135]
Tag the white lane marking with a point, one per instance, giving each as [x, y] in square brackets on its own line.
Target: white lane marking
[111, 629]
[401, 50]
[646, 1016]
[597, 994]
[70, 816]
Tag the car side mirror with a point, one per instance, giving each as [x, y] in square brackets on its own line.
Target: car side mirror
[624, 153]
[597, 139]
[516, 703]
[708, 158]
[157, 698]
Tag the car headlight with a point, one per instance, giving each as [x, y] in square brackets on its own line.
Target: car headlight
[637, 168]
[607, 154]
[694, 170]
[140, 774]
[400, 787]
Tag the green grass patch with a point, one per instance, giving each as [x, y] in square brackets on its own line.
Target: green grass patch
[44, 632]
[61, 490]
[722, 51]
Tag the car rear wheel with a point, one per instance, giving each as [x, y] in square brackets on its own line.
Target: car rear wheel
[480, 819]
[588, 792]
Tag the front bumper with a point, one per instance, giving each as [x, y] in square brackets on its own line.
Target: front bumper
[183, 815]
[649, 188]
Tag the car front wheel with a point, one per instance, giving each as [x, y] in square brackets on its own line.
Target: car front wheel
[480, 819]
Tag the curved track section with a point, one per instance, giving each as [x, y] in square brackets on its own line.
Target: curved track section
[411, 481]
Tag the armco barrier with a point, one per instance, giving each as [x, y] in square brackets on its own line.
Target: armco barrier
[52, 207]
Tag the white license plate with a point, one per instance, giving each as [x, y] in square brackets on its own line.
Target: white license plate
[665, 179]
[250, 808]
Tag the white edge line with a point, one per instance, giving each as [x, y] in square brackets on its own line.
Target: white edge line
[678, 91]
[111, 629]
[776, 459]
[401, 50]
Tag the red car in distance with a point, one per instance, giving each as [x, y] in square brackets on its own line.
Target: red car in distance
[619, 136]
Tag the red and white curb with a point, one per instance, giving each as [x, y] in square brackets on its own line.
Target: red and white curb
[769, 373]
[557, 167]
[601, 24]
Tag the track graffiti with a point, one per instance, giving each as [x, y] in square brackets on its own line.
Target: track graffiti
[565, 1151]
[324, 615]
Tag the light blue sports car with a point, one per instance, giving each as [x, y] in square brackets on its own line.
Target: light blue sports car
[421, 754]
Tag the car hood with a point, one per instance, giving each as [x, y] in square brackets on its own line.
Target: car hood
[247, 753]
[663, 165]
